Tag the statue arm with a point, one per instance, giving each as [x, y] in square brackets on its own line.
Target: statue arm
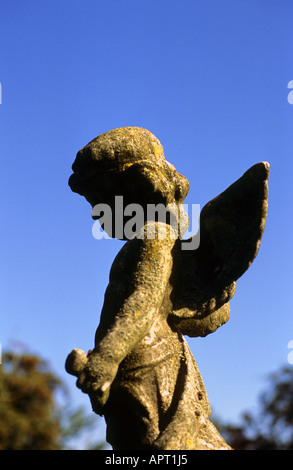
[139, 310]
[128, 325]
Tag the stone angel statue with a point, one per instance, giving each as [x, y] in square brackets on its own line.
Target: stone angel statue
[140, 373]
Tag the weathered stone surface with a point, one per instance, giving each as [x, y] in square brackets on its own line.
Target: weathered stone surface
[141, 374]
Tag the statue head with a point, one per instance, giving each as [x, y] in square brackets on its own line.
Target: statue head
[129, 162]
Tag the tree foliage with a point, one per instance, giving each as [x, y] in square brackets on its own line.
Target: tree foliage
[30, 418]
[272, 427]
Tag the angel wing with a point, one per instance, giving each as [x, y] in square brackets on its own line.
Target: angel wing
[231, 228]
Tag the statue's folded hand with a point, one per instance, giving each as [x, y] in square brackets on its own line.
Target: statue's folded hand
[94, 375]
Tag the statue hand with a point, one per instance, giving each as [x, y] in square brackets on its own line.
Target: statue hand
[95, 376]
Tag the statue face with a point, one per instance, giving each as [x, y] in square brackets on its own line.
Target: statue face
[112, 217]
[129, 164]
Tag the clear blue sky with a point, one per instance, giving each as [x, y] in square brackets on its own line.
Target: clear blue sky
[209, 79]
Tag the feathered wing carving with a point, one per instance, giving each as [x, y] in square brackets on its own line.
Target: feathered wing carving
[231, 228]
